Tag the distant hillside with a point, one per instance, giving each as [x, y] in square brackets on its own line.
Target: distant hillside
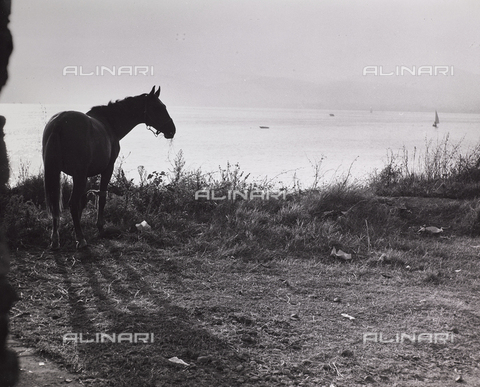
[457, 93]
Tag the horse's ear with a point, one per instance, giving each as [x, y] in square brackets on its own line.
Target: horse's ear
[158, 91]
[152, 91]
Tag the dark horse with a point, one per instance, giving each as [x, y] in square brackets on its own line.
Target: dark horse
[83, 145]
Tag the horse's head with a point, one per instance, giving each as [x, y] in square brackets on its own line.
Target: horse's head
[156, 114]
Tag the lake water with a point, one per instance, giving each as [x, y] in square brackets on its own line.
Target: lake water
[296, 140]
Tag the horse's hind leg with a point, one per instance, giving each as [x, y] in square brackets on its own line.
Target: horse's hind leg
[53, 198]
[79, 186]
[55, 239]
[102, 197]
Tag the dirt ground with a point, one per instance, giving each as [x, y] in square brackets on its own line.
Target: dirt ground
[37, 370]
[316, 321]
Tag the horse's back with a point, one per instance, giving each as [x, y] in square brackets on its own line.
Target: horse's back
[66, 123]
[82, 142]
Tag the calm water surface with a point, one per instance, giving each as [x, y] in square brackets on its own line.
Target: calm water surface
[295, 141]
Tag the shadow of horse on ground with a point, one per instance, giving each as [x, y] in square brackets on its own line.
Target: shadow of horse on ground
[102, 292]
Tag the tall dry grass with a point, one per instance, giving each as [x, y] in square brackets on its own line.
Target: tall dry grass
[441, 169]
[300, 222]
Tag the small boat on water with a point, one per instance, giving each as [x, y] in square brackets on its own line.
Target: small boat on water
[264, 127]
[437, 121]
[332, 115]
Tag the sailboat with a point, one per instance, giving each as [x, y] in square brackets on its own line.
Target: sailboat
[437, 121]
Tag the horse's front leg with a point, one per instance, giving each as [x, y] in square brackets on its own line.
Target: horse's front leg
[102, 198]
[55, 239]
[79, 186]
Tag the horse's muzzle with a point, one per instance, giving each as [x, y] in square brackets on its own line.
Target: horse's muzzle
[169, 130]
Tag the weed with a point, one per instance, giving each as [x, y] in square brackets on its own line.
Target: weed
[441, 171]
[305, 222]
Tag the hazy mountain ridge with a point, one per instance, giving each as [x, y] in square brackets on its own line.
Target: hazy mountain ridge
[457, 93]
[453, 93]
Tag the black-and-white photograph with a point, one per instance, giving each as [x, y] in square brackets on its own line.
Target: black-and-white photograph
[239, 193]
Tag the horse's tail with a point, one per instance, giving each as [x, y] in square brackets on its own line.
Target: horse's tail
[52, 168]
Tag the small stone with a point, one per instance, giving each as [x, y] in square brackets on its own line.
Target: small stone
[243, 319]
[248, 339]
[347, 353]
[204, 359]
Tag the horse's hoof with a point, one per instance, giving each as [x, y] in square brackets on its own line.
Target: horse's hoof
[81, 244]
[54, 246]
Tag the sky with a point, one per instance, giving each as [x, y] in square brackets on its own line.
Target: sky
[248, 53]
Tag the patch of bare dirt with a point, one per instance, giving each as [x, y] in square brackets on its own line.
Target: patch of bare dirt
[37, 370]
[228, 322]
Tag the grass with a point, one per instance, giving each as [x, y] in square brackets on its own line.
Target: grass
[441, 170]
[247, 292]
[353, 217]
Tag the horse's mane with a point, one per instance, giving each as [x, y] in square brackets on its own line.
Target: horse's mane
[115, 108]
